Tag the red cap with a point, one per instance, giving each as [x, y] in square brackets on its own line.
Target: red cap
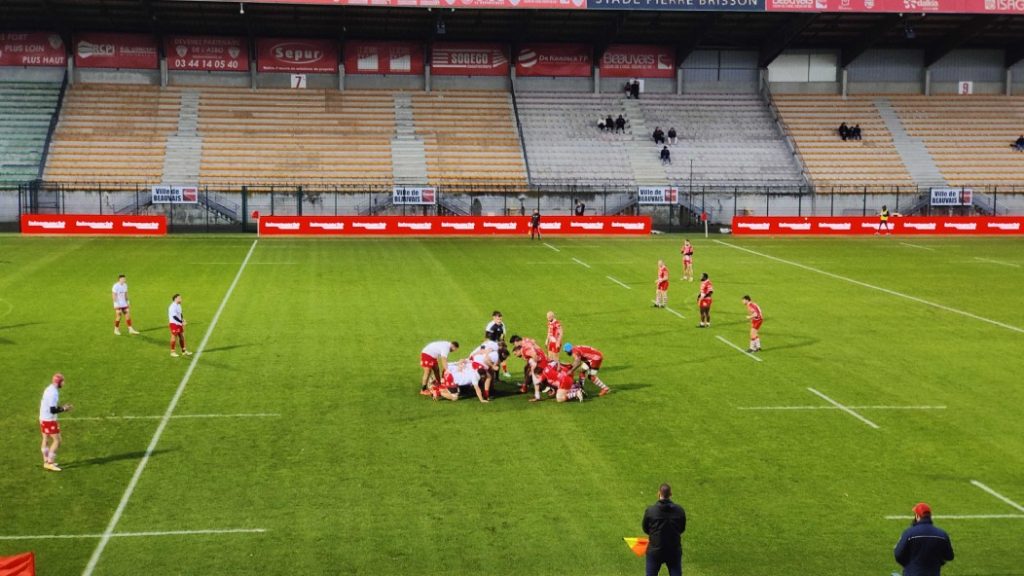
[921, 509]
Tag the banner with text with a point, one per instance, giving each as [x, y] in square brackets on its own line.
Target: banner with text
[687, 5]
[383, 57]
[451, 225]
[952, 196]
[639, 60]
[868, 225]
[93, 224]
[100, 50]
[295, 55]
[417, 196]
[175, 194]
[572, 60]
[916, 6]
[469, 59]
[657, 195]
[32, 49]
[207, 53]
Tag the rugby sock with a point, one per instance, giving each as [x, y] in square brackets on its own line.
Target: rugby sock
[128, 322]
[757, 343]
[597, 381]
[46, 455]
[117, 324]
[536, 393]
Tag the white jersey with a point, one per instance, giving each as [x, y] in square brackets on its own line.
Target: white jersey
[439, 349]
[174, 312]
[464, 376]
[490, 346]
[50, 399]
[482, 356]
[120, 295]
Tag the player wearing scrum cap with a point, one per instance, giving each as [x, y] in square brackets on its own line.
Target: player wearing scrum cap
[49, 408]
[588, 361]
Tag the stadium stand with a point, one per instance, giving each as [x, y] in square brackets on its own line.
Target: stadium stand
[26, 110]
[271, 136]
[112, 134]
[968, 136]
[812, 121]
[469, 137]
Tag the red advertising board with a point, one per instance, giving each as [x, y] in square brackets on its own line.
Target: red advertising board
[639, 60]
[868, 225]
[207, 53]
[296, 55]
[451, 225]
[383, 57]
[94, 225]
[575, 60]
[32, 49]
[521, 4]
[101, 50]
[916, 6]
[469, 59]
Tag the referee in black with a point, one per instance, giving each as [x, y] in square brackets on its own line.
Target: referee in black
[665, 522]
[535, 224]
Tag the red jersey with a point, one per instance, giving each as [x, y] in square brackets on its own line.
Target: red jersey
[755, 310]
[662, 273]
[687, 249]
[554, 331]
[530, 350]
[706, 288]
[556, 376]
[587, 353]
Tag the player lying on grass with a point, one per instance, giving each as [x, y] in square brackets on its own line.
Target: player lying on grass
[458, 375]
[533, 355]
[587, 360]
[433, 354]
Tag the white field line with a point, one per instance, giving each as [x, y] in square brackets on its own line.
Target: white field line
[626, 286]
[98, 552]
[744, 352]
[918, 246]
[174, 417]
[846, 409]
[552, 247]
[837, 408]
[581, 262]
[997, 495]
[990, 261]
[674, 312]
[964, 517]
[873, 287]
[136, 534]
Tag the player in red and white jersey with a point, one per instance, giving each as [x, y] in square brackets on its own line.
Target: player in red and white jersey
[119, 293]
[531, 352]
[457, 375]
[433, 354]
[704, 301]
[687, 252]
[661, 284]
[554, 340]
[559, 376]
[49, 407]
[487, 359]
[756, 319]
[587, 360]
[176, 323]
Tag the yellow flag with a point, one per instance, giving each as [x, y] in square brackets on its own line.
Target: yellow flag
[637, 545]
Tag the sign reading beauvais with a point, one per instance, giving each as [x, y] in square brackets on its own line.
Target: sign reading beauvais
[639, 60]
[295, 55]
[383, 57]
[420, 196]
[469, 59]
[175, 195]
[207, 53]
[571, 60]
[916, 6]
[32, 49]
[657, 195]
[99, 50]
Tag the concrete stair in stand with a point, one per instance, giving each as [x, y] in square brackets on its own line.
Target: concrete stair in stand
[184, 151]
[643, 153]
[919, 162]
[408, 154]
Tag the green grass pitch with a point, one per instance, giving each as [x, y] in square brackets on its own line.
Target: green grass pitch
[350, 471]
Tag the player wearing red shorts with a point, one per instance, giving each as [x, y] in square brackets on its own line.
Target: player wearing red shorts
[430, 356]
[588, 361]
[704, 301]
[176, 322]
[755, 317]
[119, 293]
[49, 407]
[661, 293]
[531, 352]
[554, 340]
[559, 376]
[687, 252]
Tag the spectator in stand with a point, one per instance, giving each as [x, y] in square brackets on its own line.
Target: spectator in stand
[629, 88]
[620, 124]
[666, 156]
[844, 131]
[580, 208]
[609, 123]
[659, 135]
[1018, 145]
[855, 132]
[601, 124]
[634, 88]
[672, 135]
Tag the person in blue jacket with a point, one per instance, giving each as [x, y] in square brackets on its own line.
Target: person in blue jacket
[924, 547]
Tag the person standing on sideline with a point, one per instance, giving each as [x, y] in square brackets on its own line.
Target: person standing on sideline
[580, 209]
[176, 322]
[923, 548]
[754, 315]
[883, 221]
[535, 224]
[661, 286]
[49, 407]
[120, 295]
[664, 522]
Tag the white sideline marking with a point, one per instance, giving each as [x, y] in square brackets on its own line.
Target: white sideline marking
[990, 261]
[626, 286]
[837, 408]
[674, 312]
[964, 517]
[136, 534]
[95, 558]
[738, 348]
[846, 409]
[873, 287]
[176, 416]
[552, 247]
[918, 246]
[581, 262]
[997, 495]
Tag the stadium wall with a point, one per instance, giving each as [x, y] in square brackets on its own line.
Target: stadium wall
[553, 84]
[228, 79]
[720, 71]
[983, 67]
[115, 76]
[382, 81]
[31, 74]
[887, 72]
[470, 83]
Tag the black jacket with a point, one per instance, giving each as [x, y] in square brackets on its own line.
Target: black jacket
[664, 522]
[923, 549]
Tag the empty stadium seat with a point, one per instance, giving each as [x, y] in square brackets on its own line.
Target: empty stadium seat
[26, 109]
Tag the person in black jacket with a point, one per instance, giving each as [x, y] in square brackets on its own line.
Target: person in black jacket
[665, 522]
[535, 224]
[923, 548]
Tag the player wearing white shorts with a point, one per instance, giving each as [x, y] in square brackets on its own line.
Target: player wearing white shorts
[49, 407]
[121, 307]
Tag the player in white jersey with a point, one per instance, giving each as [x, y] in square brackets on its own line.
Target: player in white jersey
[49, 407]
[120, 295]
[430, 356]
[487, 359]
[176, 322]
[458, 374]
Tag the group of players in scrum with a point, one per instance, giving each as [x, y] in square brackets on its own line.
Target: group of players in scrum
[543, 371]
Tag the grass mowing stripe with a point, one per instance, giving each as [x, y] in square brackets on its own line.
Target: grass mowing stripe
[873, 287]
[846, 409]
[98, 552]
[136, 534]
[997, 495]
[741, 350]
[619, 282]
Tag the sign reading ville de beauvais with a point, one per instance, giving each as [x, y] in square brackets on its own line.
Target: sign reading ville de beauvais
[690, 5]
